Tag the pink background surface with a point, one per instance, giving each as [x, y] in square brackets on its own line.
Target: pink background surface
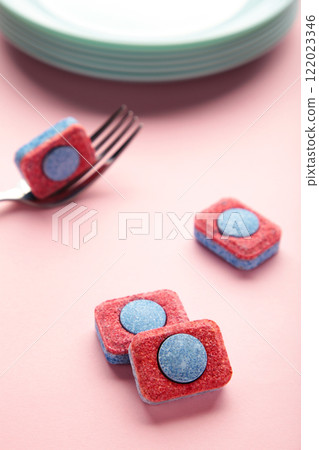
[57, 391]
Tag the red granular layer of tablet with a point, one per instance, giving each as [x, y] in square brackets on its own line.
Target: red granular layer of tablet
[107, 317]
[154, 386]
[267, 235]
[31, 164]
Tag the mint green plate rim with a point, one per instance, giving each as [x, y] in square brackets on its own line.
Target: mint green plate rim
[149, 78]
[285, 4]
[101, 62]
[143, 58]
[123, 66]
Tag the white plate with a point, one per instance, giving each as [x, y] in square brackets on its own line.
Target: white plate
[83, 53]
[137, 49]
[258, 41]
[84, 56]
[212, 66]
[145, 24]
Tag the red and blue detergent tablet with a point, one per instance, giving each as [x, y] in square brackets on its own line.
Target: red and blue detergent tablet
[236, 233]
[54, 158]
[179, 360]
[118, 321]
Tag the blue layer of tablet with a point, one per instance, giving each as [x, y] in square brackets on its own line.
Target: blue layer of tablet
[242, 264]
[59, 127]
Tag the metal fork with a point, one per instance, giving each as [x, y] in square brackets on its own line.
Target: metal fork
[120, 129]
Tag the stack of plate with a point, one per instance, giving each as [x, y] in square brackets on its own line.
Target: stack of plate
[142, 40]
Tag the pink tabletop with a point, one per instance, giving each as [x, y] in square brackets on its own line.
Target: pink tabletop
[235, 134]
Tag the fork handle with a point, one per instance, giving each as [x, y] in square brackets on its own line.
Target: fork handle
[15, 193]
[10, 194]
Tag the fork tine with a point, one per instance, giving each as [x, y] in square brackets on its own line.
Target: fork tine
[105, 163]
[92, 174]
[107, 149]
[118, 125]
[122, 148]
[100, 130]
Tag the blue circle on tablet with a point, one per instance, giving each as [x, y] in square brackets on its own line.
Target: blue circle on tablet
[142, 315]
[60, 163]
[182, 358]
[237, 222]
